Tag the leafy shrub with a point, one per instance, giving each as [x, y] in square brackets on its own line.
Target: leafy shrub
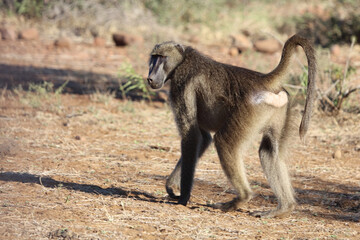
[332, 99]
[134, 84]
[338, 25]
[28, 8]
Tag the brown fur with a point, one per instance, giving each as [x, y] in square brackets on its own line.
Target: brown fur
[208, 96]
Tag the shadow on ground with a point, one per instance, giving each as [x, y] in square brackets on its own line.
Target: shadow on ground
[343, 206]
[76, 81]
[80, 82]
[86, 188]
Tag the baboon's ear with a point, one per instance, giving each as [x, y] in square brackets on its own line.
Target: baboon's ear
[180, 48]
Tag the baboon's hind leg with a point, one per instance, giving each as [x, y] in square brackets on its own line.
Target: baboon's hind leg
[231, 147]
[277, 175]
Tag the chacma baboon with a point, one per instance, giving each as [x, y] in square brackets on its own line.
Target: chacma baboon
[236, 104]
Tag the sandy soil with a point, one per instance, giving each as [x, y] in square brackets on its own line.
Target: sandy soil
[94, 167]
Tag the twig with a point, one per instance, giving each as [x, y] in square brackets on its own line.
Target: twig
[293, 86]
[347, 93]
[74, 115]
[347, 63]
[326, 98]
[331, 87]
[6, 117]
[319, 93]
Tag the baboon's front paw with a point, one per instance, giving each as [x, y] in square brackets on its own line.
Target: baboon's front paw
[183, 201]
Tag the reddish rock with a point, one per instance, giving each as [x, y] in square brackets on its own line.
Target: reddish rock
[99, 42]
[63, 42]
[7, 33]
[242, 42]
[124, 39]
[29, 34]
[121, 39]
[233, 51]
[267, 46]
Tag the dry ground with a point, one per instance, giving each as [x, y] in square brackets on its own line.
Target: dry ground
[94, 167]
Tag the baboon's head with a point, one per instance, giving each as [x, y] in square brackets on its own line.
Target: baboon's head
[164, 58]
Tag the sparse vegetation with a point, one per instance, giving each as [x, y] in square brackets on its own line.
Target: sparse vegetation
[133, 83]
[41, 96]
[28, 8]
[100, 97]
[333, 25]
[333, 98]
[338, 86]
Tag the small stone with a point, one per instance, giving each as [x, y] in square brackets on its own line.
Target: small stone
[99, 42]
[357, 148]
[77, 138]
[242, 42]
[8, 33]
[337, 154]
[121, 39]
[267, 46]
[124, 39]
[233, 51]
[63, 42]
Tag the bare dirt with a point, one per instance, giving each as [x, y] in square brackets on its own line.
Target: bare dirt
[94, 167]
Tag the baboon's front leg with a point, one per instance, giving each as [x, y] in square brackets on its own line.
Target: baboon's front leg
[173, 181]
[190, 149]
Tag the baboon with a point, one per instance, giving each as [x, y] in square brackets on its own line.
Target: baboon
[235, 104]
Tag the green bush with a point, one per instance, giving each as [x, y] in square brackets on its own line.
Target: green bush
[28, 8]
[341, 24]
[134, 83]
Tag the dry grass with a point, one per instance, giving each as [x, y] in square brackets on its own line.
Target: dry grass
[91, 171]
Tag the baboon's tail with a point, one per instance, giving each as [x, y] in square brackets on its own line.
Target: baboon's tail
[277, 74]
